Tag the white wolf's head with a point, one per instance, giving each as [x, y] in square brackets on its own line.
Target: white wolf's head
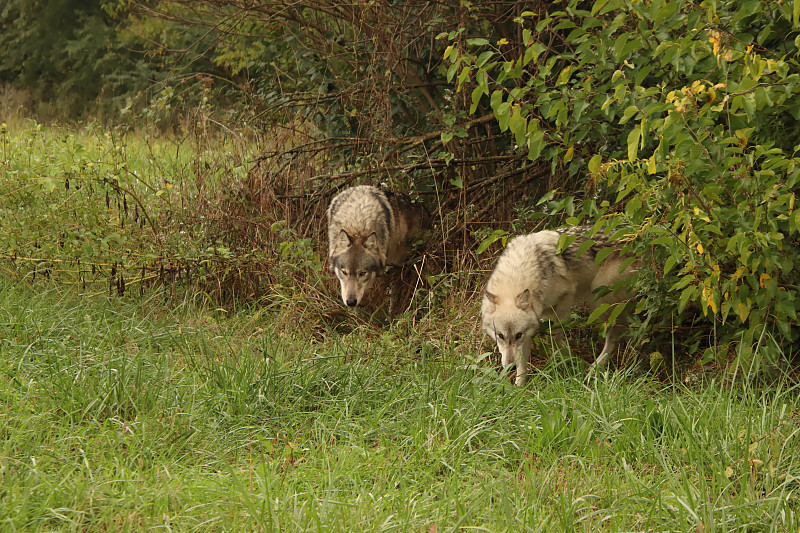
[356, 261]
[511, 322]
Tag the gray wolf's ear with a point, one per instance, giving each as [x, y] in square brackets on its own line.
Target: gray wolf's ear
[524, 299]
[343, 240]
[371, 242]
[492, 297]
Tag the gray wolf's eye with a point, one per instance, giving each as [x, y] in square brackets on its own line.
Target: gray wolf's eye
[362, 274]
[343, 271]
[501, 336]
[518, 336]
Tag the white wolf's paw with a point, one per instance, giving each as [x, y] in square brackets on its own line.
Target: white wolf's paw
[595, 370]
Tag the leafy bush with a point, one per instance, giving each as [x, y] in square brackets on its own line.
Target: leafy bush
[685, 117]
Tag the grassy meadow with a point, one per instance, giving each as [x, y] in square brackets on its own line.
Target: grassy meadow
[157, 409]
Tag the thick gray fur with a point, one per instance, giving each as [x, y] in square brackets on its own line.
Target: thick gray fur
[368, 231]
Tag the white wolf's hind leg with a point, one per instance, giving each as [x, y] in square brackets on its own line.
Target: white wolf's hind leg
[610, 346]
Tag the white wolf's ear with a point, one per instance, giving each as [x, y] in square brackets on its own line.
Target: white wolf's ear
[492, 297]
[371, 242]
[524, 299]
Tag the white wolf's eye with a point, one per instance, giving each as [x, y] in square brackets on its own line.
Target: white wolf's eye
[362, 274]
[518, 336]
[501, 336]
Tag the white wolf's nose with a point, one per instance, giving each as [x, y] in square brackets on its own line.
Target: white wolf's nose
[351, 302]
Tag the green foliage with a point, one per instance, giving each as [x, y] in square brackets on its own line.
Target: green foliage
[128, 415]
[106, 209]
[78, 58]
[685, 118]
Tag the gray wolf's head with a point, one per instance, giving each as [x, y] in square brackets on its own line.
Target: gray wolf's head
[511, 322]
[356, 261]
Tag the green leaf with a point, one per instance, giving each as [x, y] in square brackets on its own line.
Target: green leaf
[628, 113]
[477, 41]
[601, 7]
[501, 113]
[594, 163]
[602, 254]
[633, 142]
[483, 58]
[683, 282]
[602, 308]
[585, 245]
[496, 99]
[451, 71]
[535, 144]
[477, 93]
[564, 241]
[619, 46]
[633, 206]
[563, 77]
[491, 239]
[686, 295]
[670, 263]
[518, 125]
[618, 309]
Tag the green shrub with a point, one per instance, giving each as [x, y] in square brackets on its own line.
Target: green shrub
[682, 121]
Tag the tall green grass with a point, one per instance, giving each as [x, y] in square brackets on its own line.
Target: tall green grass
[124, 415]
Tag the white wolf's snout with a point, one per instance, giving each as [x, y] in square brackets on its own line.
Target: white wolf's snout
[508, 355]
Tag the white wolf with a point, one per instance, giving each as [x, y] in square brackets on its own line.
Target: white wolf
[368, 231]
[531, 281]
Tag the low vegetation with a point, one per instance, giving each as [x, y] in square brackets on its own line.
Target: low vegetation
[128, 414]
[176, 356]
[160, 405]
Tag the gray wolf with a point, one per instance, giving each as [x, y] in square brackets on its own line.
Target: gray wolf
[369, 231]
[531, 282]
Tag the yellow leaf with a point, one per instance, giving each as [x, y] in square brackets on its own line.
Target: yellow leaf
[728, 472]
[742, 310]
[651, 164]
[763, 279]
[699, 248]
